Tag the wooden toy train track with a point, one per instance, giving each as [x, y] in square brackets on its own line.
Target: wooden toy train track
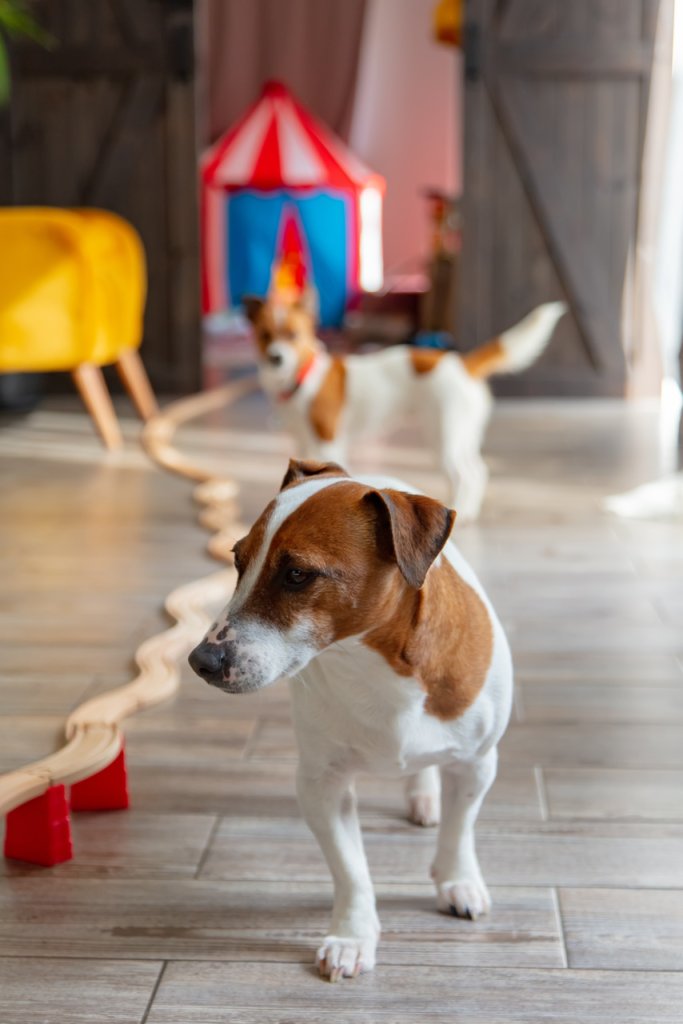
[91, 760]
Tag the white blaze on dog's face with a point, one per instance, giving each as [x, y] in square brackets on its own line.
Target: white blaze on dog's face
[327, 559]
[286, 340]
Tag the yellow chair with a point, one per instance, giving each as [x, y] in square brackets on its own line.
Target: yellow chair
[72, 297]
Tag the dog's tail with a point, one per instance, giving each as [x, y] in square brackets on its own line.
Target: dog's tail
[519, 346]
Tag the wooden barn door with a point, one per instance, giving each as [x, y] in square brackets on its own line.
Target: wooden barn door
[556, 100]
[107, 119]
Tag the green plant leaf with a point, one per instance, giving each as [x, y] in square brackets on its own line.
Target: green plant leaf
[4, 74]
[17, 21]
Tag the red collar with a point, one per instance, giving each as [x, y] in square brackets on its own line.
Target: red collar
[302, 373]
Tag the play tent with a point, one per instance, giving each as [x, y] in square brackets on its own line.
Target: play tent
[284, 201]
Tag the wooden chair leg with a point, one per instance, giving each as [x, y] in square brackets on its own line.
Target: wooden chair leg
[92, 388]
[136, 382]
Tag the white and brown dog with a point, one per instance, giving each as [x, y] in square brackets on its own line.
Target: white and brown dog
[327, 401]
[397, 664]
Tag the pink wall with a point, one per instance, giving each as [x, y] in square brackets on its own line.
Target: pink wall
[407, 119]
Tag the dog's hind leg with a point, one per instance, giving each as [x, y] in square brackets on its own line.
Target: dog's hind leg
[460, 888]
[309, 446]
[423, 795]
[328, 803]
[468, 476]
[461, 427]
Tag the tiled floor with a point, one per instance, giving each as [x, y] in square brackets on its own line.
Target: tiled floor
[204, 903]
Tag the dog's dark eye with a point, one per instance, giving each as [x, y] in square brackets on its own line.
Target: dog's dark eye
[295, 579]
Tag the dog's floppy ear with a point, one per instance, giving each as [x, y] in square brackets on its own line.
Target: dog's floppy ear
[300, 470]
[252, 307]
[412, 529]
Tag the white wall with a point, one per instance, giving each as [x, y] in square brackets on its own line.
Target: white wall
[407, 119]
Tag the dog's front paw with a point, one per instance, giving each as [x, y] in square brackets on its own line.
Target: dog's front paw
[341, 957]
[468, 897]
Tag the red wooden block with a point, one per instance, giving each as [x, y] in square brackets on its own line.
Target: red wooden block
[39, 831]
[104, 791]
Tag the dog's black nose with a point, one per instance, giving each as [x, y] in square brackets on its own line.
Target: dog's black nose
[275, 358]
[207, 659]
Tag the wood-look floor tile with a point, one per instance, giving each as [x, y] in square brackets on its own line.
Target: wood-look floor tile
[552, 856]
[196, 696]
[85, 627]
[656, 547]
[207, 920]
[600, 595]
[670, 608]
[665, 566]
[129, 844]
[40, 696]
[231, 788]
[623, 928]
[23, 660]
[546, 853]
[600, 702]
[268, 788]
[642, 794]
[569, 551]
[594, 744]
[28, 737]
[214, 993]
[75, 991]
[174, 738]
[273, 740]
[660, 535]
[525, 635]
[566, 665]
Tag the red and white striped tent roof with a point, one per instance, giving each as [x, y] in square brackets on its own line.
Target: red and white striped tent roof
[278, 144]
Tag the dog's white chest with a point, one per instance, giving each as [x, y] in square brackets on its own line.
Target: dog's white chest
[351, 708]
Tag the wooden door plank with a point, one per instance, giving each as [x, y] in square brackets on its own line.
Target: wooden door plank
[567, 83]
[474, 285]
[124, 143]
[136, 21]
[580, 270]
[73, 61]
[580, 56]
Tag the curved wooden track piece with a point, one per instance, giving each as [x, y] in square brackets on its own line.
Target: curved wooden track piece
[93, 736]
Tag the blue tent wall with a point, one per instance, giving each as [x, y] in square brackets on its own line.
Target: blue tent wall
[325, 217]
[253, 231]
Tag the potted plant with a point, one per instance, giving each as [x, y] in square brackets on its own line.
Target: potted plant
[17, 22]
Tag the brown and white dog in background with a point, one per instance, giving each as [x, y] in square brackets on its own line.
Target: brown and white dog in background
[326, 401]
